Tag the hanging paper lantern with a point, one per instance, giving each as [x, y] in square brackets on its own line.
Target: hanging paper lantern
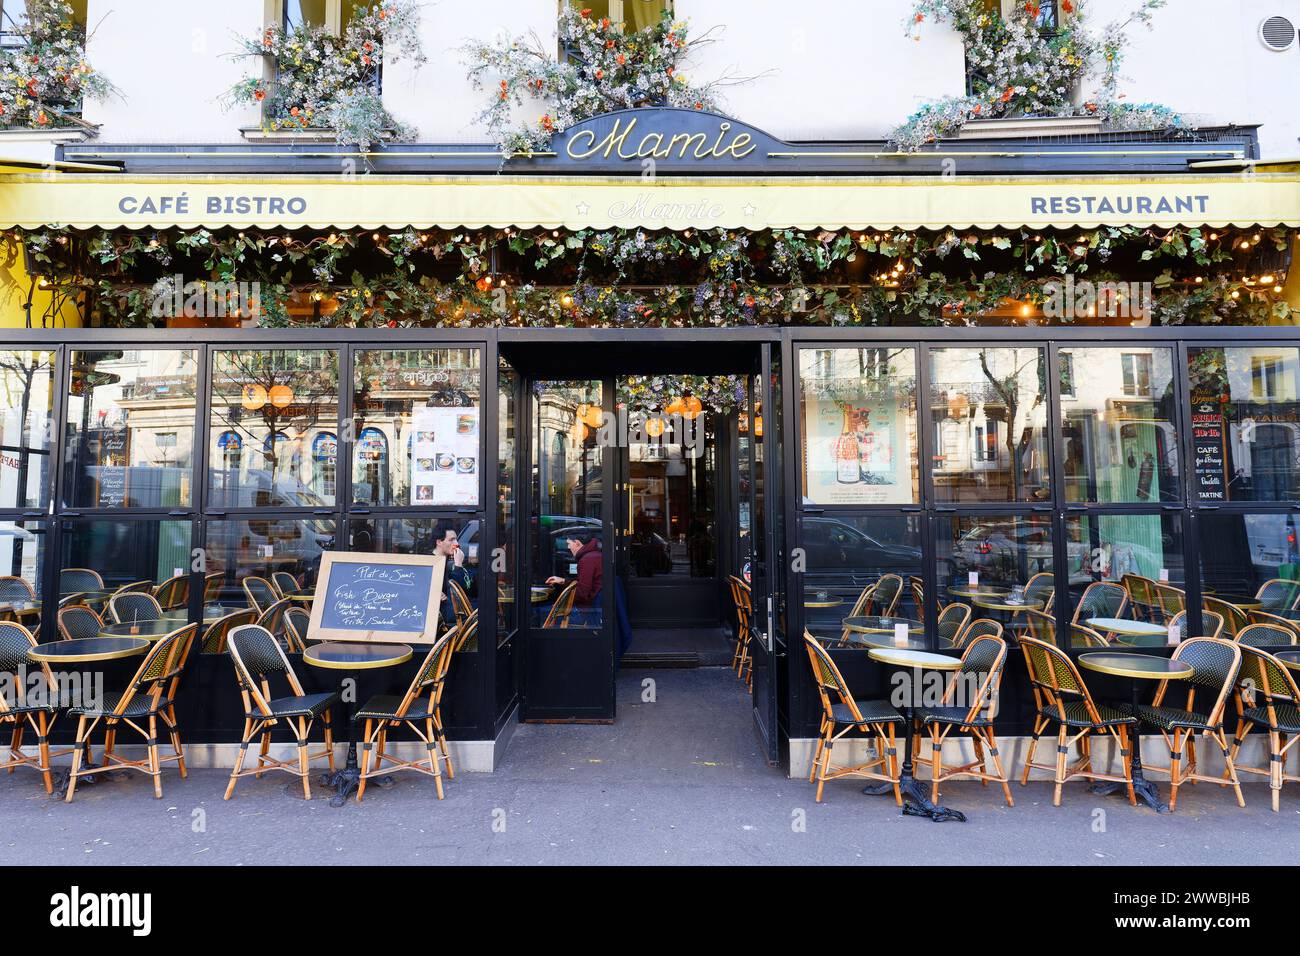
[692, 407]
[281, 395]
[654, 427]
[253, 397]
[675, 407]
[591, 414]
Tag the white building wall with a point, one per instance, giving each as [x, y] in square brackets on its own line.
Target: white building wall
[821, 68]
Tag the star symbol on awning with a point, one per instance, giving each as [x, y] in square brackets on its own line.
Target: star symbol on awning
[749, 209]
[583, 209]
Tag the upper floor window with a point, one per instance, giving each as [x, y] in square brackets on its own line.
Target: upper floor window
[13, 20]
[1137, 374]
[332, 15]
[1265, 377]
[633, 14]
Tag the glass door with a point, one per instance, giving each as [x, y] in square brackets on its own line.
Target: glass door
[569, 655]
[769, 567]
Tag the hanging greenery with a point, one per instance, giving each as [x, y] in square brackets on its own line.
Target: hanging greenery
[45, 77]
[683, 395]
[634, 278]
[1019, 65]
[324, 81]
[606, 68]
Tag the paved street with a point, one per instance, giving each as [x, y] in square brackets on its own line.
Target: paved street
[675, 781]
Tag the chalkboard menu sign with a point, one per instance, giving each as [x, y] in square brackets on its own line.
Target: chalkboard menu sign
[1209, 449]
[382, 598]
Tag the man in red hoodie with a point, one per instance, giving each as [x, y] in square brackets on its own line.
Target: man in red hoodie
[590, 564]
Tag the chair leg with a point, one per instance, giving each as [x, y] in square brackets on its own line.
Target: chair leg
[43, 730]
[1175, 768]
[1231, 767]
[821, 772]
[329, 741]
[1060, 765]
[302, 758]
[15, 742]
[936, 762]
[77, 750]
[1126, 746]
[892, 753]
[262, 752]
[366, 744]
[817, 754]
[1039, 724]
[1275, 768]
[997, 766]
[155, 767]
[432, 744]
[442, 744]
[239, 759]
[170, 718]
[978, 743]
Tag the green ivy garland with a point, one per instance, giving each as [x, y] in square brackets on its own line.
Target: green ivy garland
[632, 278]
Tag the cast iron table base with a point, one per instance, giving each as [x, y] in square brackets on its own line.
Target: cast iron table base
[1143, 788]
[346, 781]
[915, 801]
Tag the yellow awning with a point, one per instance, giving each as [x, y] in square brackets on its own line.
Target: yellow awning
[136, 201]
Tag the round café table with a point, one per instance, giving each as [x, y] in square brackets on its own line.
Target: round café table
[1289, 659]
[1247, 602]
[886, 640]
[1137, 668]
[979, 591]
[85, 650]
[21, 609]
[147, 630]
[352, 657]
[1127, 628]
[916, 802]
[823, 602]
[302, 597]
[878, 624]
[536, 594]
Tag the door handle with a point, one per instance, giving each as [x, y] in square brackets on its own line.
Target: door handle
[630, 493]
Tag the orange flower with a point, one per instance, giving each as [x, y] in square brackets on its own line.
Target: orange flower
[42, 119]
[604, 23]
[609, 44]
[586, 13]
[699, 105]
[294, 111]
[620, 59]
[1006, 95]
[259, 95]
[600, 74]
[979, 108]
[920, 17]
[1067, 6]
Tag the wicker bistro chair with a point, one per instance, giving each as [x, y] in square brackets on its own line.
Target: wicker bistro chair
[1215, 665]
[79, 579]
[460, 603]
[261, 592]
[1278, 594]
[1263, 617]
[296, 622]
[272, 618]
[1211, 623]
[214, 638]
[20, 710]
[1042, 627]
[558, 616]
[1265, 635]
[952, 621]
[412, 710]
[740, 596]
[1234, 618]
[149, 697]
[14, 588]
[78, 621]
[213, 582]
[1100, 599]
[876, 717]
[1172, 600]
[884, 596]
[285, 583]
[257, 657]
[1267, 697]
[1142, 598]
[135, 587]
[173, 593]
[1042, 587]
[1081, 636]
[134, 606]
[981, 672]
[1061, 697]
[981, 627]
[863, 605]
[918, 597]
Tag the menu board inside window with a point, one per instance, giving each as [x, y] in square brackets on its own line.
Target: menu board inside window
[859, 426]
[444, 456]
[1245, 418]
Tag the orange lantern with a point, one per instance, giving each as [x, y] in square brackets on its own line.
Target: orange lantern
[654, 427]
[281, 395]
[758, 427]
[675, 407]
[692, 407]
[253, 397]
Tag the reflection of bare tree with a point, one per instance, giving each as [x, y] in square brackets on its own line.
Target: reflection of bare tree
[259, 378]
[21, 369]
[1008, 391]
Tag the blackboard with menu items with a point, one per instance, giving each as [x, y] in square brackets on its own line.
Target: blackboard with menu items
[377, 598]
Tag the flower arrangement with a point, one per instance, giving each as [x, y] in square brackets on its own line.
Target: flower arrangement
[1016, 66]
[672, 394]
[606, 69]
[609, 278]
[325, 81]
[44, 80]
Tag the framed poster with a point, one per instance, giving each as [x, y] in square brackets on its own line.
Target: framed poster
[856, 451]
[377, 598]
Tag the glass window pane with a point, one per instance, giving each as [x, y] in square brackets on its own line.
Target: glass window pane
[859, 420]
[1242, 553]
[567, 487]
[417, 427]
[1244, 423]
[122, 552]
[264, 546]
[997, 566]
[507, 609]
[22, 555]
[273, 440]
[130, 428]
[1118, 419]
[988, 410]
[1136, 552]
[857, 566]
[27, 393]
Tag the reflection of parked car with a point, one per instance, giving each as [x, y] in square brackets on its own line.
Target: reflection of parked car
[1007, 550]
[835, 548]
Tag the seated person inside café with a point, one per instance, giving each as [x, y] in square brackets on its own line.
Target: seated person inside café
[447, 544]
[588, 560]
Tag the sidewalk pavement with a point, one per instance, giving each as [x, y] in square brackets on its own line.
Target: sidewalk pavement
[675, 781]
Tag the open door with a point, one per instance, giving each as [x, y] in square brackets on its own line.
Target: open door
[569, 626]
[767, 569]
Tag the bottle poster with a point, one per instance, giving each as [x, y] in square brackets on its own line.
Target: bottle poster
[856, 453]
[445, 456]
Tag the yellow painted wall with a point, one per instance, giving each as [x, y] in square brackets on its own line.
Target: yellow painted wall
[14, 286]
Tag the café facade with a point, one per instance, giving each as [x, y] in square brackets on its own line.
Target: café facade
[805, 365]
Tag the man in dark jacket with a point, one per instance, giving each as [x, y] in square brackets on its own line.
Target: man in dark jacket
[590, 564]
[447, 544]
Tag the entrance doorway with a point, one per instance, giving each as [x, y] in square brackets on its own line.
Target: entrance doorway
[645, 483]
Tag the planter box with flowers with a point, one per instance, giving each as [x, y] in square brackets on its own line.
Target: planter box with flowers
[326, 87]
